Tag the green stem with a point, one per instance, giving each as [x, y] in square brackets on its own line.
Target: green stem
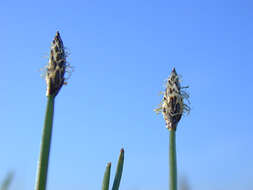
[7, 182]
[119, 171]
[173, 160]
[45, 146]
[106, 179]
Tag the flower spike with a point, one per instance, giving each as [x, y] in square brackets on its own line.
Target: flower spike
[56, 66]
[172, 106]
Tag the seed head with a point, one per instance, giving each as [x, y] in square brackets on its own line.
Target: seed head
[172, 106]
[56, 67]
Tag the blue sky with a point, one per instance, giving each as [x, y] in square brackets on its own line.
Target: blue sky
[122, 52]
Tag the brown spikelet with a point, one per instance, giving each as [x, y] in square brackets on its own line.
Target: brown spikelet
[56, 67]
[173, 106]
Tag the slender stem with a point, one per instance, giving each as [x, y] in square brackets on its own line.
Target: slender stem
[7, 181]
[173, 160]
[45, 146]
[119, 171]
[106, 180]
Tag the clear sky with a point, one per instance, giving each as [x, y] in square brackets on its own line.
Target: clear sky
[122, 52]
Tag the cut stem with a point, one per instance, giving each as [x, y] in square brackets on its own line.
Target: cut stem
[45, 146]
[173, 160]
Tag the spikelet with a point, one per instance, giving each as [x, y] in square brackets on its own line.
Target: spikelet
[56, 67]
[172, 106]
